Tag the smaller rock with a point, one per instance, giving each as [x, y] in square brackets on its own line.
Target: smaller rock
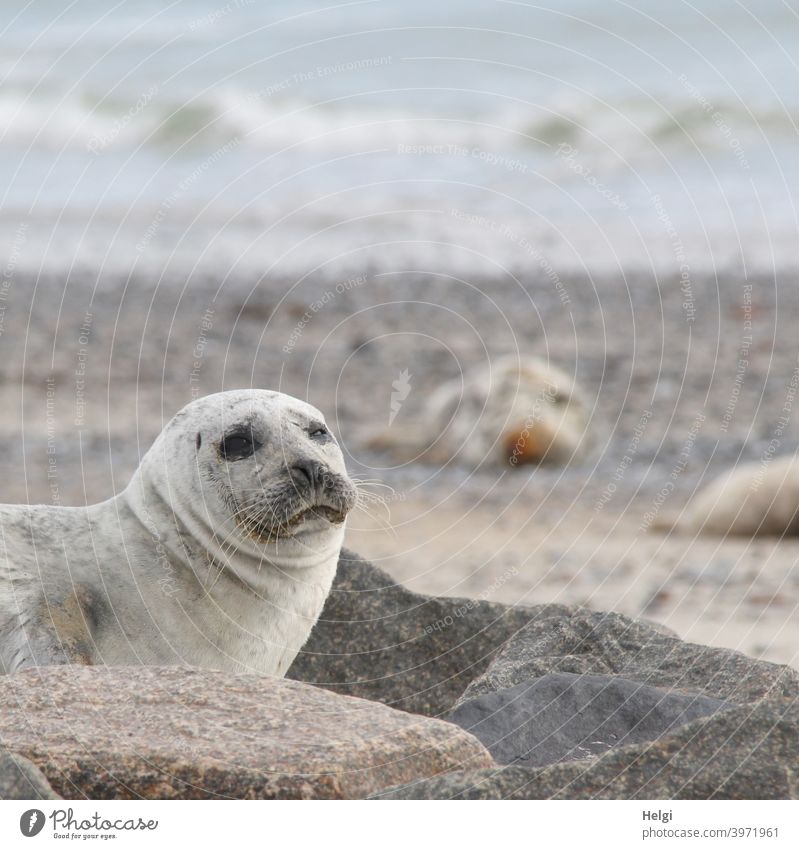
[562, 716]
[20, 779]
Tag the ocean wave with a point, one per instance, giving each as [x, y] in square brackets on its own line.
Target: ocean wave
[274, 118]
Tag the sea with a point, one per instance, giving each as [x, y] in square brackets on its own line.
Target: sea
[289, 137]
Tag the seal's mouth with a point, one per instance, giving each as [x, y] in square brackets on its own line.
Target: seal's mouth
[265, 533]
[321, 511]
[283, 508]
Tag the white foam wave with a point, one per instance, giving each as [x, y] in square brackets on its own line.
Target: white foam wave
[634, 131]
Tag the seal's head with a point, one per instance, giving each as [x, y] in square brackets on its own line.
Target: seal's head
[253, 471]
[513, 411]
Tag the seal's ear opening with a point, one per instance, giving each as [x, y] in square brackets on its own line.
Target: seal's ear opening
[199, 441]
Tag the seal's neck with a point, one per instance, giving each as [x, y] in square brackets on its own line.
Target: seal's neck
[216, 548]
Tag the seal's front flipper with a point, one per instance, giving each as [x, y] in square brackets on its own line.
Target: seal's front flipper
[50, 632]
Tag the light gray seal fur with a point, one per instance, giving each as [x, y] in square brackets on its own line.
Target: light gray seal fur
[219, 553]
[750, 500]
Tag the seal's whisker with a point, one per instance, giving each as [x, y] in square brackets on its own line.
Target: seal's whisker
[375, 497]
[383, 521]
[371, 499]
[371, 482]
[362, 483]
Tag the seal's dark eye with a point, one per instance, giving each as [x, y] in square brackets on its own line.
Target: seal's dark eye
[318, 432]
[237, 446]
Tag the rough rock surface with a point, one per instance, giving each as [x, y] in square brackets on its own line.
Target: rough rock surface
[582, 641]
[20, 779]
[379, 641]
[748, 752]
[185, 733]
[585, 644]
[562, 716]
[436, 655]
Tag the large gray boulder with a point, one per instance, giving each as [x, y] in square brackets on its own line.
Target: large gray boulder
[573, 684]
[178, 733]
[579, 703]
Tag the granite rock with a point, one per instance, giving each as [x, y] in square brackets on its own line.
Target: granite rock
[524, 711]
[747, 752]
[20, 779]
[439, 655]
[164, 733]
[562, 716]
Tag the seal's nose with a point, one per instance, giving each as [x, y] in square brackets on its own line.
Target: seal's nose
[307, 472]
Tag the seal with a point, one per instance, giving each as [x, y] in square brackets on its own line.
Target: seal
[219, 553]
[508, 412]
[753, 499]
